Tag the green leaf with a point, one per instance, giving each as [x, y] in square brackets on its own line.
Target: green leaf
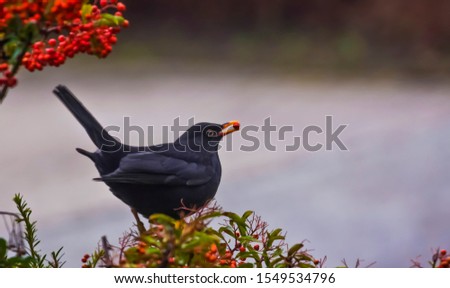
[111, 20]
[226, 230]
[275, 261]
[191, 244]
[305, 265]
[250, 254]
[293, 250]
[30, 32]
[246, 239]
[153, 250]
[246, 265]
[215, 214]
[276, 232]
[11, 47]
[162, 219]
[242, 226]
[151, 241]
[86, 9]
[3, 249]
[266, 259]
[246, 215]
[273, 236]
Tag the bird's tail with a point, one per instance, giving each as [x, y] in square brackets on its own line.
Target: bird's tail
[98, 135]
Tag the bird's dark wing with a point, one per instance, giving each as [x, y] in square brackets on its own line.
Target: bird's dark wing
[151, 168]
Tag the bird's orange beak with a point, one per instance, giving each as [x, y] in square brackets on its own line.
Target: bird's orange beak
[230, 127]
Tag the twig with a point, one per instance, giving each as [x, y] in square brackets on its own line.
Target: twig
[139, 224]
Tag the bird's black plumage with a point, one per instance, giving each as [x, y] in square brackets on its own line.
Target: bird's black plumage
[155, 179]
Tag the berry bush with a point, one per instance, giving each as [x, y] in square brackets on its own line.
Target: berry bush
[239, 241]
[208, 238]
[40, 33]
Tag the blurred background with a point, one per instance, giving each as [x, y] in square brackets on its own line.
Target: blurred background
[380, 67]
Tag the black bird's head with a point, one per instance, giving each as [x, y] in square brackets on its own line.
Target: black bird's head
[206, 136]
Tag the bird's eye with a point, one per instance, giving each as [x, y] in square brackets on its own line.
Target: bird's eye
[211, 133]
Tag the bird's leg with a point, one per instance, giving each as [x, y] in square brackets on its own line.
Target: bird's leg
[139, 224]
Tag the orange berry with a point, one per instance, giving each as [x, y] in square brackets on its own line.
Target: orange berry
[213, 248]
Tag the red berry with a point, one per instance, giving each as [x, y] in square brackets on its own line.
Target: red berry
[52, 42]
[256, 247]
[443, 252]
[242, 249]
[121, 7]
[103, 3]
[4, 66]
[11, 82]
[8, 74]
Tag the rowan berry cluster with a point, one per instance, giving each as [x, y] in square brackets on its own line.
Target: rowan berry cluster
[43, 33]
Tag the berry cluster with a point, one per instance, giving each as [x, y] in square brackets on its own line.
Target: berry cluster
[235, 256]
[444, 259]
[240, 242]
[8, 79]
[85, 260]
[43, 33]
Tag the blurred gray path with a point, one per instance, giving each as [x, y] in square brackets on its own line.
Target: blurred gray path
[387, 199]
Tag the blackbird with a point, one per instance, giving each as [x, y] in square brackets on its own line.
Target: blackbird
[172, 178]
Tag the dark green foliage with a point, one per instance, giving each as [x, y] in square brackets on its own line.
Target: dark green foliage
[34, 257]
